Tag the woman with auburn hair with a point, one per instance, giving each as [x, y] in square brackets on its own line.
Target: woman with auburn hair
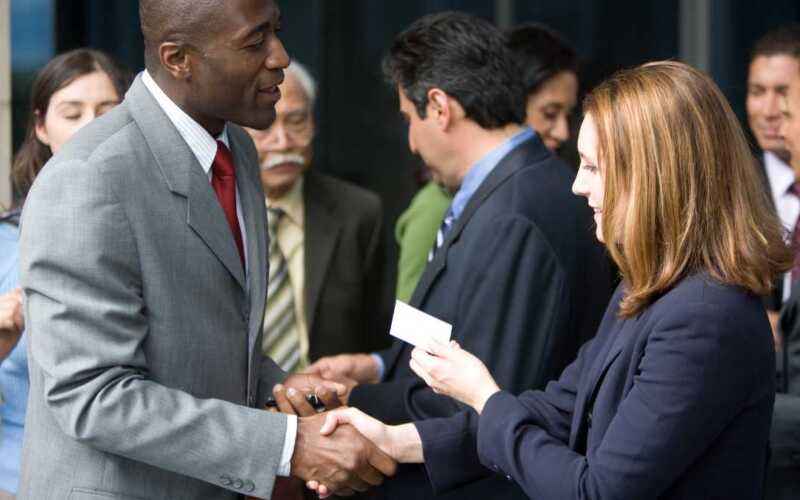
[673, 397]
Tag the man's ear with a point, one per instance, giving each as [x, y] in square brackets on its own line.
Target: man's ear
[442, 108]
[175, 60]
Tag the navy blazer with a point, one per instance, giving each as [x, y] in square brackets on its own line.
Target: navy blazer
[674, 403]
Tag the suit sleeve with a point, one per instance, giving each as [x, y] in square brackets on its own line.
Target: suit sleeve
[661, 426]
[510, 308]
[87, 322]
[450, 445]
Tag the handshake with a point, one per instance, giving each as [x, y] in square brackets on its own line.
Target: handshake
[330, 453]
[343, 451]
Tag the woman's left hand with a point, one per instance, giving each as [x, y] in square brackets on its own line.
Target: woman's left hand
[454, 372]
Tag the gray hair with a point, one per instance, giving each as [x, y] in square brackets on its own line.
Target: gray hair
[306, 81]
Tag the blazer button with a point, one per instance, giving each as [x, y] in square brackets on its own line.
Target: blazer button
[509, 477]
[249, 486]
[225, 480]
[589, 419]
[238, 484]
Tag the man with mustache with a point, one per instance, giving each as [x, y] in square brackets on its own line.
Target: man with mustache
[327, 294]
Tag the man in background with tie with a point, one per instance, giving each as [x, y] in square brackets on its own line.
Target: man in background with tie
[144, 265]
[516, 268]
[327, 289]
[774, 61]
[783, 475]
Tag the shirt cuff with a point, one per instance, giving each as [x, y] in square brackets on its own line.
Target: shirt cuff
[381, 366]
[285, 467]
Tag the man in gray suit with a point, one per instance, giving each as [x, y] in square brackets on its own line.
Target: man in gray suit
[144, 264]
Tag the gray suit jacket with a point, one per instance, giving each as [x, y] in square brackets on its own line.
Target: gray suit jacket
[140, 319]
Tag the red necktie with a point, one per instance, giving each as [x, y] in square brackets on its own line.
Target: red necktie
[795, 190]
[223, 181]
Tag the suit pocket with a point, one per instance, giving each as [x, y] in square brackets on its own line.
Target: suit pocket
[88, 494]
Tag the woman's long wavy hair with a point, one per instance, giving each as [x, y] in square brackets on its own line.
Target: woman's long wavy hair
[682, 194]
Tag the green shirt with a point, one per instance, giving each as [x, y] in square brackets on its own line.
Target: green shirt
[416, 233]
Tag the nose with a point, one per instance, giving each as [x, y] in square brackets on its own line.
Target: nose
[278, 138]
[277, 58]
[772, 107]
[579, 185]
[561, 129]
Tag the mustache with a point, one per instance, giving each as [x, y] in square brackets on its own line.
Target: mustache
[276, 159]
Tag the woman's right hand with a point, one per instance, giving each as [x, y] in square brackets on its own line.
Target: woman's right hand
[401, 442]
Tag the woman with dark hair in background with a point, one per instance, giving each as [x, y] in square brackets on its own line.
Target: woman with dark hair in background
[549, 67]
[69, 92]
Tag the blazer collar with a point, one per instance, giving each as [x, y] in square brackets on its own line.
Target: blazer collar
[185, 177]
[528, 152]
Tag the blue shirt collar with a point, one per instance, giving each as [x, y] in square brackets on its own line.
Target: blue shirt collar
[478, 172]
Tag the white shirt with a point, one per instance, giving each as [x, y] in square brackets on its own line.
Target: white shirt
[204, 148]
[781, 177]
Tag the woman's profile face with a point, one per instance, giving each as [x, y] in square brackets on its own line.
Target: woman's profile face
[548, 109]
[75, 105]
[590, 182]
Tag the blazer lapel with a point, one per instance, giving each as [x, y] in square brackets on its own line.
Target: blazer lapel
[321, 235]
[254, 213]
[185, 177]
[528, 152]
[587, 390]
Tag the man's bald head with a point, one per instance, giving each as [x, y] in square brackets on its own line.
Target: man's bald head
[177, 21]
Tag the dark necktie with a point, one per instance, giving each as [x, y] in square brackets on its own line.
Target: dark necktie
[441, 234]
[795, 190]
[223, 181]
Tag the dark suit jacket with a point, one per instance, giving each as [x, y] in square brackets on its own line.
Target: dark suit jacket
[524, 283]
[783, 479]
[674, 403]
[348, 299]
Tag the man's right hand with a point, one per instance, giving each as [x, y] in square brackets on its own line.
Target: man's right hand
[359, 367]
[11, 321]
[345, 461]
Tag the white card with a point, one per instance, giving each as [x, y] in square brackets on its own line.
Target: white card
[416, 327]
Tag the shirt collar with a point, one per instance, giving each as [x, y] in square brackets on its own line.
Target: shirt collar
[480, 170]
[202, 144]
[291, 203]
[780, 174]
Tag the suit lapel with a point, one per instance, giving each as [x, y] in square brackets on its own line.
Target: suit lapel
[597, 372]
[321, 234]
[255, 216]
[185, 177]
[528, 152]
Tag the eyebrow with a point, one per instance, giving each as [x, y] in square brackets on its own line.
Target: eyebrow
[275, 17]
[81, 103]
